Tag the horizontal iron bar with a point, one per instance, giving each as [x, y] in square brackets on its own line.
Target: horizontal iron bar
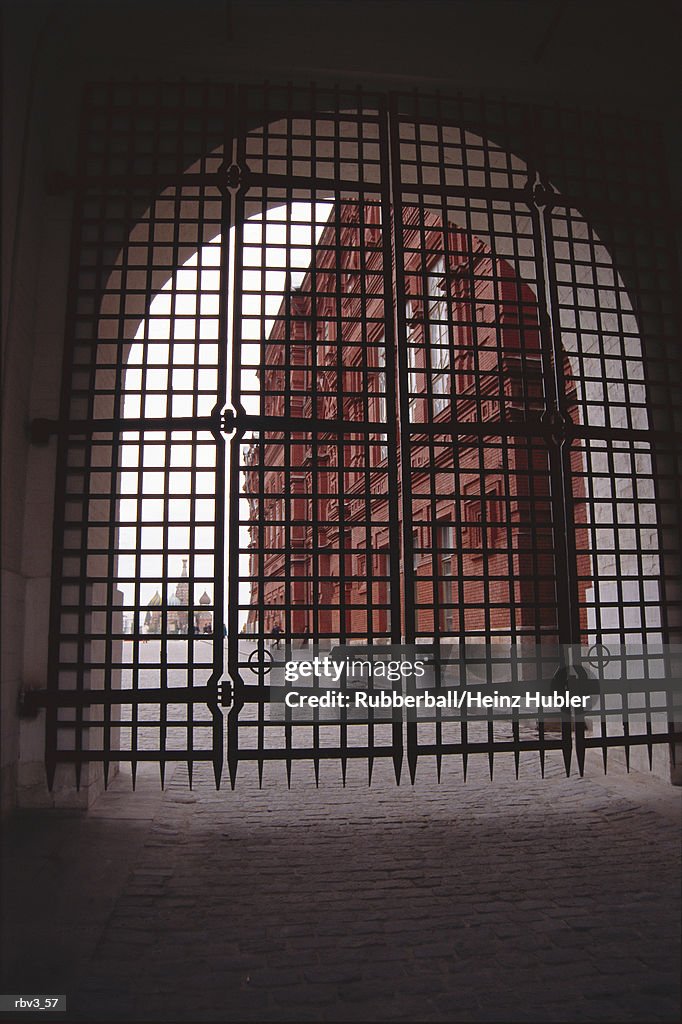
[537, 744]
[348, 719]
[41, 430]
[535, 428]
[313, 753]
[135, 723]
[587, 206]
[252, 421]
[217, 179]
[630, 740]
[491, 747]
[88, 756]
[32, 701]
[161, 181]
[339, 753]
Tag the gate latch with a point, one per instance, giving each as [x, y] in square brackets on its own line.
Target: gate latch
[225, 693]
[227, 421]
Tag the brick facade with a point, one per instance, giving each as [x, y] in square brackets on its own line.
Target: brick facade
[482, 522]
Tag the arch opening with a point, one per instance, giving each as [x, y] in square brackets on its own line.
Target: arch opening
[315, 510]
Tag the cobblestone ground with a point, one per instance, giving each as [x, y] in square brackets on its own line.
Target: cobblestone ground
[530, 900]
[554, 900]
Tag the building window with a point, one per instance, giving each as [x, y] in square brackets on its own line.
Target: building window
[439, 341]
[361, 573]
[495, 514]
[326, 327]
[373, 225]
[413, 376]
[466, 370]
[416, 555]
[484, 520]
[380, 389]
[472, 526]
[380, 563]
[446, 582]
[352, 263]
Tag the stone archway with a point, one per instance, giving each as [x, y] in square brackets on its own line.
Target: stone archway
[273, 160]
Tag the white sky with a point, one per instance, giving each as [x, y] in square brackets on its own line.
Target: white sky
[186, 309]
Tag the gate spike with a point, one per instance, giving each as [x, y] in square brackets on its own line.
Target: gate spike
[288, 773]
[162, 774]
[412, 749]
[517, 739]
[233, 744]
[190, 773]
[566, 746]
[604, 753]
[316, 769]
[465, 763]
[79, 770]
[491, 759]
[580, 746]
[133, 772]
[50, 770]
[261, 763]
[541, 751]
[412, 764]
[397, 765]
[649, 742]
[397, 742]
[106, 773]
[626, 735]
[370, 769]
[218, 750]
[439, 766]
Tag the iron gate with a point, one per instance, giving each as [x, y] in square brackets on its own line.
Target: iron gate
[439, 335]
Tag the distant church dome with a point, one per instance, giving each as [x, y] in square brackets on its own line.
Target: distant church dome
[152, 619]
[204, 599]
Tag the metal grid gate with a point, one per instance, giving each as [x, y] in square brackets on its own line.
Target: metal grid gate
[440, 337]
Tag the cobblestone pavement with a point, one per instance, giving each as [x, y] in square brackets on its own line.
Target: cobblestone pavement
[554, 900]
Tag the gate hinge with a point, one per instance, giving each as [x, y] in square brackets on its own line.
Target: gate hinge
[58, 183]
[40, 430]
[30, 702]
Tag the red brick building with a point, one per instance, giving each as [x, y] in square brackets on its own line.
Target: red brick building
[483, 556]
